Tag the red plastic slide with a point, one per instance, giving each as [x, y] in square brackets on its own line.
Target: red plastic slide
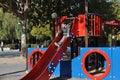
[48, 62]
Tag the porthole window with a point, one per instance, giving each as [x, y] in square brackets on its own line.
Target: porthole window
[95, 64]
[34, 57]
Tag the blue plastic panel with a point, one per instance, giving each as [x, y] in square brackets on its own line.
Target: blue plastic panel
[73, 68]
[116, 63]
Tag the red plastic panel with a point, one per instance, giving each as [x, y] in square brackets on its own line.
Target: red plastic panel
[94, 25]
[79, 26]
[97, 25]
[91, 24]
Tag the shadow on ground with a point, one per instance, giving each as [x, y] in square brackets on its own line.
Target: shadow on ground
[59, 78]
[9, 73]
[9, 54]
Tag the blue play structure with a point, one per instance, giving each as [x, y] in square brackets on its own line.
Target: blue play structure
[76, 67]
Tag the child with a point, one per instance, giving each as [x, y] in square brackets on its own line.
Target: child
[65, 29]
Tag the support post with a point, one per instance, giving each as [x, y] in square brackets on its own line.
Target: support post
[86, 23]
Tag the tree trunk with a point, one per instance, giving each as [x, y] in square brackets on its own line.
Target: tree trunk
[23, 39]
[23, 33]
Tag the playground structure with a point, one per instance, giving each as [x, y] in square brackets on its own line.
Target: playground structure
[71, 60]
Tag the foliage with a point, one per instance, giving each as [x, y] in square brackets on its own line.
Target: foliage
[40, 11]
[41, 33]
[105, 9]
[118, 35]
[116, 6]
[8, 29]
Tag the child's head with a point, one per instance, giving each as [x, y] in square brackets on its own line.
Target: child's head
[65, 21]
[63, 25]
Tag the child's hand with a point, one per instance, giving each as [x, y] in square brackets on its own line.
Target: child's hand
[67, 35]
[56, 35]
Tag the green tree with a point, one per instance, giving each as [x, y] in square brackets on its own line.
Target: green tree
[9, 23]
[40, 11]
[41, 33]
[19, 8]
[102, 7]
[116, 6]
[1, 18]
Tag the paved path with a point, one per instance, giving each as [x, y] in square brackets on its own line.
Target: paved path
[12, 67]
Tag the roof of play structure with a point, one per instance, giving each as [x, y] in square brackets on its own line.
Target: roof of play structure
[113, 23]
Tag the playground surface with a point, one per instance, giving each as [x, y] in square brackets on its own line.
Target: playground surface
[12, 67]
[62, 78]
